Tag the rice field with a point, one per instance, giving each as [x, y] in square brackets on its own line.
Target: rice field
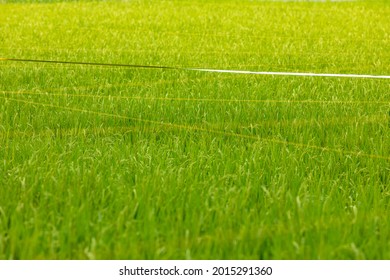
[106, 162]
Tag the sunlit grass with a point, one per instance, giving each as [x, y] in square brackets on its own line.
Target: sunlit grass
[120, 163]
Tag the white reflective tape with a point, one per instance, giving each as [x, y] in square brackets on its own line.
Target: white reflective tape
[247, 72]
[289, 73]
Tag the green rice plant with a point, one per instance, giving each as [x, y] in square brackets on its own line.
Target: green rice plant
[129, 163]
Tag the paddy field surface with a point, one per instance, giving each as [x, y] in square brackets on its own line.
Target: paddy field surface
[105, 162]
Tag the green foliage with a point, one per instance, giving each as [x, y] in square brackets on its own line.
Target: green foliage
[120, 163]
